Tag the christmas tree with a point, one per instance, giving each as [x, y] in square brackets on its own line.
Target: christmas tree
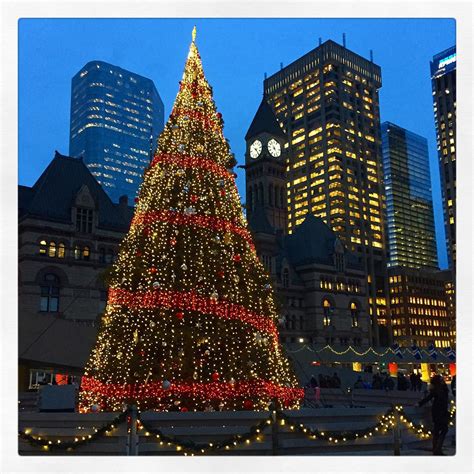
[190, 322]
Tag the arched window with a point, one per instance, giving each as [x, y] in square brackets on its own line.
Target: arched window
[52, 249]
[61, 250]
[354, 315]
[282, 198]
[260, 194]
[286, 278]
[249, 199]
[49, 300]
[102, 255]
[77, 252]
[270, 194]
[327, 312]
[43, 247]
[109, 257]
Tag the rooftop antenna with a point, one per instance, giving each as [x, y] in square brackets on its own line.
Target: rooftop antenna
[281, 66]
[264, 75]
[371, 56]
[344, 40]
[320, 41]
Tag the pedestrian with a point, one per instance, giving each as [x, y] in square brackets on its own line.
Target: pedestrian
[439, 411]
[336, 381]
[359, 383]
[313, 383]
[413, 381]
[419, 382]
[453, 386]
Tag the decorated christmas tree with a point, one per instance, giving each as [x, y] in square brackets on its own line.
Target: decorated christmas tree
[190, 322]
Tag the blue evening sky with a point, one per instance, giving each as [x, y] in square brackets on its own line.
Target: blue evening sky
[236, 53]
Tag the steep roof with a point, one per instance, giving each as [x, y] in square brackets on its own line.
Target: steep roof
[264, 121]
[259, 223]
[313, 242]
[53, 194]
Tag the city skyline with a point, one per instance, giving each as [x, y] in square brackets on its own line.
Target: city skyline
[237, 78]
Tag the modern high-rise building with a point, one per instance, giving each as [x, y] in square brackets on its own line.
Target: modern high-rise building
[327, 102]
[421, 307]
[443, 80]
[116, 117]
[409, 220]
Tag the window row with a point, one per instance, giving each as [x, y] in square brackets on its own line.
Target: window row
[80, 252]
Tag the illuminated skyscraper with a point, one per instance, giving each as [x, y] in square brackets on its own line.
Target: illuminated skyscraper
[116, 117]
[328, 105]
[409, 222]
[443, 80]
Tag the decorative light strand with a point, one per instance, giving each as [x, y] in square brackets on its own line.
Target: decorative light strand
[178, 218]
[211, 390]
[191, 301]
[184, 162]
[79, 440]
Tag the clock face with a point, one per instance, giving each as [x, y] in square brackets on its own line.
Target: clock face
[274, 148]
[255, 148]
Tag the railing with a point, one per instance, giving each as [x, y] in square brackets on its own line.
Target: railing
[328, 431]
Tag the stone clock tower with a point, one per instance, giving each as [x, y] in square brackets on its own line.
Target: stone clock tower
[265, 163]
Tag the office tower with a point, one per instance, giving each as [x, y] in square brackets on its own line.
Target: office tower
[409, 219]
[328, 104]
[116, 117]
[443, 81]
[421, 308]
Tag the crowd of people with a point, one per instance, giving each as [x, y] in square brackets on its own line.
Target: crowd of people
[325, 381]
[383, 381]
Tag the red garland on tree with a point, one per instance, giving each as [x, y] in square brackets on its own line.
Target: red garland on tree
[172, 263]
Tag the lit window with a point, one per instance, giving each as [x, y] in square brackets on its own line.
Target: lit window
[327, 312]
[354, 315]
[61, 250]
[52, 249]
[43, 247]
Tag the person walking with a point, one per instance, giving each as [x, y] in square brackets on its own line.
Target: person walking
[439, 411]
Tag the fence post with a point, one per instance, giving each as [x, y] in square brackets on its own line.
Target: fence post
[274, 408]
[396, 432]
[132, 432]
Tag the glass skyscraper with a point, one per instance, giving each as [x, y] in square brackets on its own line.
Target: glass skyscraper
[443, 80]
[116, 117]
[409, 204]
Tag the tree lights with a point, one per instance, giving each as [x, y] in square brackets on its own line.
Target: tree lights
[190, 322]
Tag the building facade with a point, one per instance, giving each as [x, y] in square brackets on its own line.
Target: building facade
[421, 307]
[443, 80]
[69, 234]
[321, 289]
[328, 105]
[409, 219]
[116, 117]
